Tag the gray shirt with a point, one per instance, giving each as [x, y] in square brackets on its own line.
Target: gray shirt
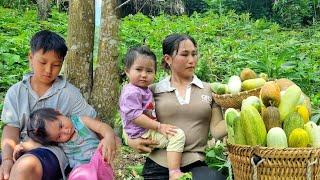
[21, 100]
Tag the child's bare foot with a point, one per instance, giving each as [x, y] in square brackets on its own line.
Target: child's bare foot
[175, 174]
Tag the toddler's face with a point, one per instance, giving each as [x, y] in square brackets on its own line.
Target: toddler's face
[142, 71]
[60, 130]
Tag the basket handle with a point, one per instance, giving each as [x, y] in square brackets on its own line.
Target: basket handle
[310, 168]
[255, 162]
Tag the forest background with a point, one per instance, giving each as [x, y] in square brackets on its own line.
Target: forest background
[280, 38]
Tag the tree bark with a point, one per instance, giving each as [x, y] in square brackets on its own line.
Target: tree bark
[43, 9]
[105, 91]
[80, 40]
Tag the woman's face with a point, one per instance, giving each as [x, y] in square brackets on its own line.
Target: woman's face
[183, 62]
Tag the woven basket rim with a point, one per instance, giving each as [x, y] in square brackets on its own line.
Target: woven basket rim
[235, 95]
[271, 148]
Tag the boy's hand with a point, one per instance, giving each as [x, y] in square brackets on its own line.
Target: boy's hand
[109, 145]
[167, 129]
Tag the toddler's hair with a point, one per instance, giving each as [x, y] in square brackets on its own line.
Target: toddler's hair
[49, 41]
[36, 126]
[133, 53]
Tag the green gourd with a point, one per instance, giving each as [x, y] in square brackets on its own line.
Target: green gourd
[289, 101]
[253, 126]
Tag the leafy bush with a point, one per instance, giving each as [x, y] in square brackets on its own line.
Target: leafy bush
[16, 29]
[228, 43]
[292, 12]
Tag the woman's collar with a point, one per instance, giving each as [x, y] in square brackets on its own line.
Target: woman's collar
[165, 85]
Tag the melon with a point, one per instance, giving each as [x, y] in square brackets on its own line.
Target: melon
[270, 94]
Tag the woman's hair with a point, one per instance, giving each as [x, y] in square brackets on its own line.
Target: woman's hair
[170, 45]
[48, 41]
[36, 126]
[133, 53]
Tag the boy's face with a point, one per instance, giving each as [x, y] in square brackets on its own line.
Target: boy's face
[46, 66]
[60, 130]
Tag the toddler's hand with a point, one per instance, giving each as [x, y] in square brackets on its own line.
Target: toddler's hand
[18, 151]
[167, 129]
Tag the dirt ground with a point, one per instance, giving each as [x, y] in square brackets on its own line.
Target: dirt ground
[128, 163]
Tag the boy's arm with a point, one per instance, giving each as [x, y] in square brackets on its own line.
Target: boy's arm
[217, 124]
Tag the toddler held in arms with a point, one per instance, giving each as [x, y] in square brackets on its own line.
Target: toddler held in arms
[137, 109]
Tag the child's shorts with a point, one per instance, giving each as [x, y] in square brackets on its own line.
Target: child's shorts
[49, 162]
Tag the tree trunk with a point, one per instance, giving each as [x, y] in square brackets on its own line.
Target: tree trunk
[80, 40]
[105, 91]
[43, 9]
[178, 7]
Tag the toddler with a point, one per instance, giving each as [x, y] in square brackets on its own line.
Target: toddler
[137, 109]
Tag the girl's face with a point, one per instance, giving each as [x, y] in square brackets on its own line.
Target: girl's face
[60, 130]
[46, 67]
[142, 71]
[183, 62]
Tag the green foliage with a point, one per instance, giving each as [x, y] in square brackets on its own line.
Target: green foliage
[18, 4]
[257, 8]
[292, 12]
[228, 43]
[186, 176]
[16, 29]
[216, 159]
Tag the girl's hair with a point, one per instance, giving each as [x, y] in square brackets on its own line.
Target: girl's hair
[170, 45]
[49, 41]
[133, 53]
[36, 126]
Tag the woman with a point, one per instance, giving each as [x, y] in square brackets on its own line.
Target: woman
[186, 102]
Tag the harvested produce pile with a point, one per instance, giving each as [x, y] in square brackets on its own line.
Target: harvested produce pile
[270, 135]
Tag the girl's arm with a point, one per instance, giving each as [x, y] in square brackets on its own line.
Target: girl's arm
[109, 141]
[97, 126]
[218, 126]
[146, 122]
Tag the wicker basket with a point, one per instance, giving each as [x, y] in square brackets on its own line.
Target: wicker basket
[270, 163]
[234, 101]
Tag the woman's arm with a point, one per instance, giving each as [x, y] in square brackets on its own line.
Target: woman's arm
[218, 126]
[142, 145]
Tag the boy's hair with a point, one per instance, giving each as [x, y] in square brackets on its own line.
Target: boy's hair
[36, 126]
[48, 41]
[133, 53]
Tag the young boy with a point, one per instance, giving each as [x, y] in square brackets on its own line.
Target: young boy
[43, 87]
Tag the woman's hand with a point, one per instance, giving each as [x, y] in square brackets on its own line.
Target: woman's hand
[167, 129]
[109, 145]
[142, 145]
